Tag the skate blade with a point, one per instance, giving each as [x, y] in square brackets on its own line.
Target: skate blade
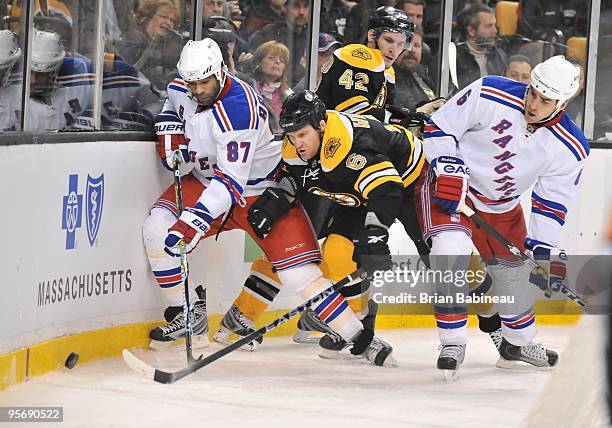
[308, 337]
[390, 361]
[225, 340]
[327, 354]
[450, 375]
[520, 366]
[197, 342]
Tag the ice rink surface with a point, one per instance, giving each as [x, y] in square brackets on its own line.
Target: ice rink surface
[285, 384]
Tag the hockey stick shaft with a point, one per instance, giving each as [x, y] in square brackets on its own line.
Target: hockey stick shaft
[168, 377]
[517, 252]
[178, 191]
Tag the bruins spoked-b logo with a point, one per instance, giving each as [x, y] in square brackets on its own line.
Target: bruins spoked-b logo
[331, 146]
[361, 53]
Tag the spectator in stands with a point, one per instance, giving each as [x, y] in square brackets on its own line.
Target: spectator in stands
[415, 9]
[270, 77]
[213, 8]
[223, 31]
[333, 16]
[413, 86]
[539, 18]
[327, 45]
[262, 13]
[357, 20]
[477, 55]
[229, 9]
[152, 45]
[292, 31]
[519, 68]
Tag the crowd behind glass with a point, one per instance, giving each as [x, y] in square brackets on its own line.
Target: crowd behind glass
[265, 43]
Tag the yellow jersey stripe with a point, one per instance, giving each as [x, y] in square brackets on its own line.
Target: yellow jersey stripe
[416, 171]
[351, 102]
[373, 172]
[380, 181]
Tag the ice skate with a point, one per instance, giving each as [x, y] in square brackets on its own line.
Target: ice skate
[171, 335]
[496, 337]
[450, 359]
[332, 344]
[310, 328]
[375, 350]
[528, 357]
[235, 322]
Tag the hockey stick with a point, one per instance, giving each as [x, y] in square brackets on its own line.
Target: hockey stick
[452, 66]
[170, 377]
[178, 192]
[523, 255]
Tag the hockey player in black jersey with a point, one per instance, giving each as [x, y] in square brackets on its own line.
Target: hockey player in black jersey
[365, 167]
[360, 78]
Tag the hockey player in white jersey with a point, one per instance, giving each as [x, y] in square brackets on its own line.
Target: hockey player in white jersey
[10, 89]
[228, 139]
[485, 147]
[60, 87]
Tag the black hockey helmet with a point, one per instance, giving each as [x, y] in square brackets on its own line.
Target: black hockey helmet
[387, 18]
[301, 109]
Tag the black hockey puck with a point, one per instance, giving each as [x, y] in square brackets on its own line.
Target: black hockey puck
[72, 360]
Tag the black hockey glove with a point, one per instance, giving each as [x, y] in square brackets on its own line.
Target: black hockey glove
[269, 207]
[407, 118]
[371, 249]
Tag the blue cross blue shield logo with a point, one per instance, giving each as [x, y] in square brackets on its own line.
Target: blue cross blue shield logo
[71, 213]
[93, 206]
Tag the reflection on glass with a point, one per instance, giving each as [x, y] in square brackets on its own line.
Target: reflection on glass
[10, 81]
[61, 86]
[153, 44]
[139, 65]
[292, 31]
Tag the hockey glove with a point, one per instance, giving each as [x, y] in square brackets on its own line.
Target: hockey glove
[269, 207]
[430, 107]
[551, 273]
[169, 143]
[451, 182]
[371, 249]
[406, 118]
[190, 227]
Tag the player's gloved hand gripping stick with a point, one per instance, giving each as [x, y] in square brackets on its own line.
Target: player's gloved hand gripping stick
[524, 256]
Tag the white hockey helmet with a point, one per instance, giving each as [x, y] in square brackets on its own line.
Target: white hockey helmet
[9, 54]
[201, 59]
[556, 78]
[47, 51]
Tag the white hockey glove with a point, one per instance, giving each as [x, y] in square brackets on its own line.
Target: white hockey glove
[551, 273]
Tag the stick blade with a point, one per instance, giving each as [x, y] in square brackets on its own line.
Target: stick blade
[138, 365]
